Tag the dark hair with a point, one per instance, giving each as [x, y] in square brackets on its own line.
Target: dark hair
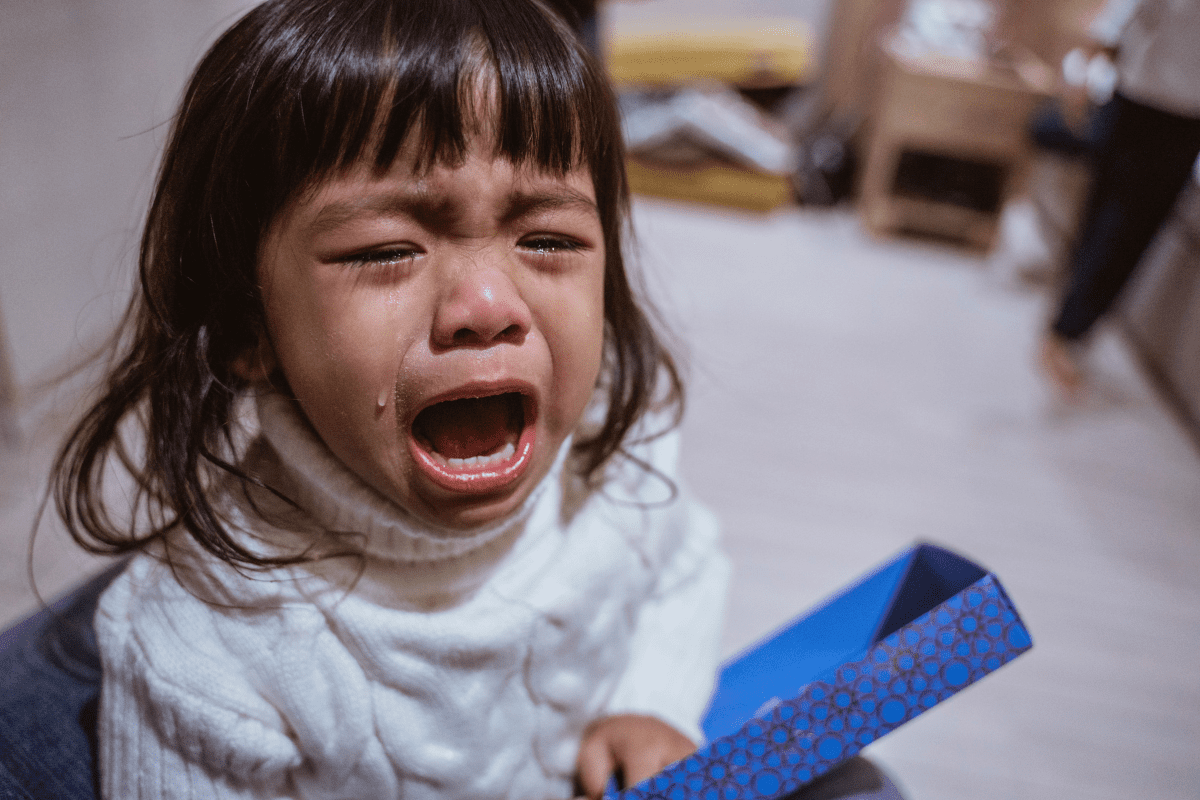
[294, 91]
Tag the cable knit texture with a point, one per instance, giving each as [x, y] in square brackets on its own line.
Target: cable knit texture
[443, 664]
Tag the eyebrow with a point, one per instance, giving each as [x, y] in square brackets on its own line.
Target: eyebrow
[414, 203]
[438, 211]
[523, 204]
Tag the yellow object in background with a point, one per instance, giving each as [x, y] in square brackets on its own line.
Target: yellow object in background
[742, 52]
[712, 184]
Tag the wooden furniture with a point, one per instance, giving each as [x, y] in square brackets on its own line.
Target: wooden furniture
[852, 55]
[947, 144]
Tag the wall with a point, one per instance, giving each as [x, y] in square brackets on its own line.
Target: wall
[86, 92]
[1161, 308]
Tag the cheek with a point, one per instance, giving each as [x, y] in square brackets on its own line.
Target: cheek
[576, 334]
[338, 353]
[336, 347]
[360, 335]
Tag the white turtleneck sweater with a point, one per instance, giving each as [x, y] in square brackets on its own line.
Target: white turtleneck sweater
[441, 665]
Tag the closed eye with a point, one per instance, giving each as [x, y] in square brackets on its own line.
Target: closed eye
[542, 243]
[384, 257]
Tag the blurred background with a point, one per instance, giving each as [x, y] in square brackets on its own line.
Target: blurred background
[844, 218]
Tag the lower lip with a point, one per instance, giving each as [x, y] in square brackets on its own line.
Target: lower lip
[479, 478]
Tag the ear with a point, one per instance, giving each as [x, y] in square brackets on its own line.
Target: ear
[256, 363]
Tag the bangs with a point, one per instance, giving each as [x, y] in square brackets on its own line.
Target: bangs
[360, 85]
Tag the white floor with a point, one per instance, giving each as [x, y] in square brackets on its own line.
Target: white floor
[848, 397]
[851, 397]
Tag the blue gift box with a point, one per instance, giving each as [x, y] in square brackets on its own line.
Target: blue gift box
[906, 637]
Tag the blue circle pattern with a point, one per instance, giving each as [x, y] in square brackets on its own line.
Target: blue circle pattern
[926, 661]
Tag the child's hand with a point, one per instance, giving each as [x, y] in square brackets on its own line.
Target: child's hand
[636, 745]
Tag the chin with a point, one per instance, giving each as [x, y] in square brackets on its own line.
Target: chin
[464, 513]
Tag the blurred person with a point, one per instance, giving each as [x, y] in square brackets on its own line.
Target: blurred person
[1151, 142]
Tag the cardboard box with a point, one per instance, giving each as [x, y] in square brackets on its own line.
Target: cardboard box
[909, 635]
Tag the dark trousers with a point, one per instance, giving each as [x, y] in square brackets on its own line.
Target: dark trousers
[1140, 168]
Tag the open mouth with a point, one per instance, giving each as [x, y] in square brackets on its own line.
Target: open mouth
[475, 444]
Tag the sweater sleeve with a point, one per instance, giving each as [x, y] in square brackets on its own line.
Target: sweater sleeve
[142, 759]
[676, 642]
[249, 696]
[178, 718]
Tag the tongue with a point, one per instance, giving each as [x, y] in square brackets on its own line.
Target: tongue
[476, 426]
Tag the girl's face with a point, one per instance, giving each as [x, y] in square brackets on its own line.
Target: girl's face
[441, 330]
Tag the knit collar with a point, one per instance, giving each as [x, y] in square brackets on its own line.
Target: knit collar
[339, 500]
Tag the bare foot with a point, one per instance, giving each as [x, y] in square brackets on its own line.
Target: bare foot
[1061, 365]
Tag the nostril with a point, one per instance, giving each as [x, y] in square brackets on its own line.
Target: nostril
[470, 336]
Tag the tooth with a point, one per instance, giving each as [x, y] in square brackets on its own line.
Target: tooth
[503, 454]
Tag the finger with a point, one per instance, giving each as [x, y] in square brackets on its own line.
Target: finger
[595, 766]
[640, 763]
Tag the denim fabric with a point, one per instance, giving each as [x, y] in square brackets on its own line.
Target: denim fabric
[49, 689]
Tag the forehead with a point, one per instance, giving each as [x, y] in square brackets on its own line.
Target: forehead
[481, 181]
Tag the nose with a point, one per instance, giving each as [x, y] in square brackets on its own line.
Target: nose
[481, 306]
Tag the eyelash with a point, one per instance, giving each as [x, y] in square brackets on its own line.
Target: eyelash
[382, 258]
[550, 244]
[545, 245]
